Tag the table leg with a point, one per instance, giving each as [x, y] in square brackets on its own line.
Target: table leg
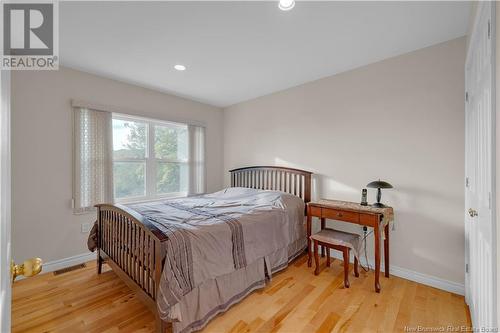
[323, 221]
[377, 257]
[386, 250]
[309, 258]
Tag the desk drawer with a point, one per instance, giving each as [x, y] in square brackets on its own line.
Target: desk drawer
[369, 220]
[341, 215]
[315, 211]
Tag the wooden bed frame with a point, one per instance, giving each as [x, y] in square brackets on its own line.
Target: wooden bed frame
[131, 245]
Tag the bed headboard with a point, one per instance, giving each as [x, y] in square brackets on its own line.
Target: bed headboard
[293, 181]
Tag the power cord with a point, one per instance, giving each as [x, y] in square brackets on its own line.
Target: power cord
[365, 235]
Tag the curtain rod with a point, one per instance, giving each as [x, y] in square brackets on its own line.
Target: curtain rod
[75, 103]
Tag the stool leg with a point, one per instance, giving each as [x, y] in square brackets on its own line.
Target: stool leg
[316, 257]
[327, 257]
[346, 267]
[356, 272]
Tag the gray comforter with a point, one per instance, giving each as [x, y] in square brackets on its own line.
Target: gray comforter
[219, 236]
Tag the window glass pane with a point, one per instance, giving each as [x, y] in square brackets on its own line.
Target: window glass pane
[171, 142]
[129, 179]
[171, 177]
[129, 139]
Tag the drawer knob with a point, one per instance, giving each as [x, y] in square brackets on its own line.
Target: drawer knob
[339, 214]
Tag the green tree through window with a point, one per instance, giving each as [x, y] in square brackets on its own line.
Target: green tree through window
[170, 150]
[170, 145]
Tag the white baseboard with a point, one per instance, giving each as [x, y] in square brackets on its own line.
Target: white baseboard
[428, 280]
[67, 262]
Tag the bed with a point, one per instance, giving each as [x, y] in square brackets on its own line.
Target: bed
[190, 259]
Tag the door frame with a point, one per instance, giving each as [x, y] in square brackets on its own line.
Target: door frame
[5, 203]
[493, 197]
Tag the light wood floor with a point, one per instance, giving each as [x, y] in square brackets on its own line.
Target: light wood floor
[295, 301]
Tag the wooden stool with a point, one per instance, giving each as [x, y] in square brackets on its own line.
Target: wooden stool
[340, 241]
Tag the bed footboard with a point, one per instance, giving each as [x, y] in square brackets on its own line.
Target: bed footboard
[131, 245]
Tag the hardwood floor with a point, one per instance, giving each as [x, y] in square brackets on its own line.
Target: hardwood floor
[295, 301]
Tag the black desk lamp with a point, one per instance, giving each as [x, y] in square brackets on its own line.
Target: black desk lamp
[378, 185]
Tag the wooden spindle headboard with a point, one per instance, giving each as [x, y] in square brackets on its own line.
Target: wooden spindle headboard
[293, 181]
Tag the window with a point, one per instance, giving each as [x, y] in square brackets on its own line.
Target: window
[150, 159]
[121, 158]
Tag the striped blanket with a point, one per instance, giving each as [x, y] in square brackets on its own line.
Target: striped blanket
[214, 235]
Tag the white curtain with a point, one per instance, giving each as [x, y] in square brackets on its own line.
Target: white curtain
[196, 160]
[93, 159]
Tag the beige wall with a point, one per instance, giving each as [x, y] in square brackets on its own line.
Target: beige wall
[401, 120]
[42, 220]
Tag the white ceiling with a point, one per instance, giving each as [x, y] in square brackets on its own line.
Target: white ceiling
[235, 51]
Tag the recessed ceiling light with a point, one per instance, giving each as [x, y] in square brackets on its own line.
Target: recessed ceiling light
[286, 4]
[180, 67]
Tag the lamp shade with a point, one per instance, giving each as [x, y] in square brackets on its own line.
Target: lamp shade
[379, 184]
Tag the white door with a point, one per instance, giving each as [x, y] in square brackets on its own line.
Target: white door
[30, 267]
[479, 115]
[5, 283]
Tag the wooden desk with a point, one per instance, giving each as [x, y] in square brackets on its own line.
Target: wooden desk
[351, 212]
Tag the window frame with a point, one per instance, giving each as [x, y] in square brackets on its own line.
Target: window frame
[150, 160]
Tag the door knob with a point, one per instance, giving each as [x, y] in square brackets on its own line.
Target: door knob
[30, 267]
[472, 212]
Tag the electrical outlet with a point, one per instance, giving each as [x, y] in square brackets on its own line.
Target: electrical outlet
[85, 228]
